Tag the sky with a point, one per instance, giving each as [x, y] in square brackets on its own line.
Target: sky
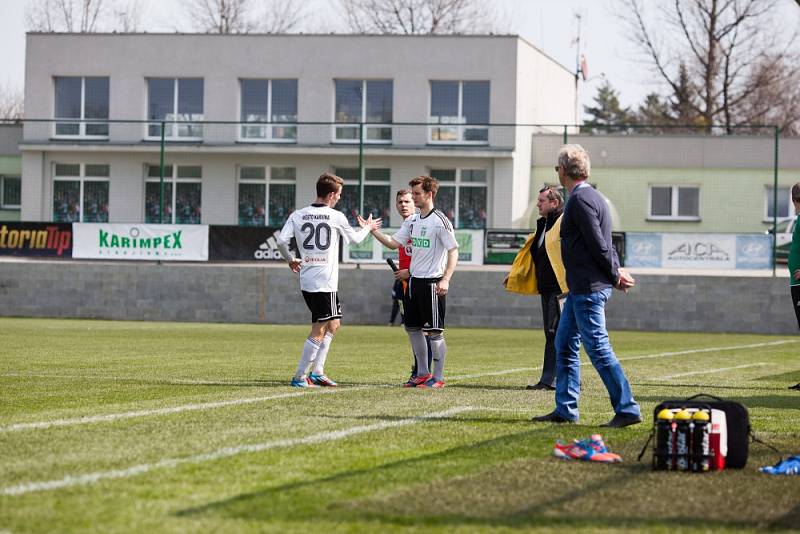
[550, 25]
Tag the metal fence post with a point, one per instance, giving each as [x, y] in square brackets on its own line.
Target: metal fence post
[775, 206]
[361, 168]
[161, 181]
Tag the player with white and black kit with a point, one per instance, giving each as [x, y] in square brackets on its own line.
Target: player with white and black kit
[317, 229]
[433, 260]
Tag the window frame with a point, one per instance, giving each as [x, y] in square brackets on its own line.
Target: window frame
[674, 203]
[82, 121]
[458, 184]
[459, 127]
[769, 196]
[367, 126]
[268, 126]
[3, 205]
[335, 169]
[266, 181]
[81, 178]
[173, 125]
[174, 180]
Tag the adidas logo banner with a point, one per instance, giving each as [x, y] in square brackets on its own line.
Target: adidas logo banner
[237, 243]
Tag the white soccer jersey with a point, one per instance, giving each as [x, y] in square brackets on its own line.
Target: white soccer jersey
[317, 229]
[431, 237]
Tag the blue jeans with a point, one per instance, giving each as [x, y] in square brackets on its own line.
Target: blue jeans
[583, 319]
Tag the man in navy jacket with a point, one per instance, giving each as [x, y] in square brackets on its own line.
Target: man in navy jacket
[592, 270]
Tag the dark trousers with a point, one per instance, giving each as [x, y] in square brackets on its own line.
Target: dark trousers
[551, 314]
[796, 302]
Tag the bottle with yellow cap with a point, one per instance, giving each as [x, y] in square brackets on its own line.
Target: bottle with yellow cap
[665, 439]
[683, 436]
[701, 451]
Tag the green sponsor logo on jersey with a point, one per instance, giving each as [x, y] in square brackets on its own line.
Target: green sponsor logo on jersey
[421, 242]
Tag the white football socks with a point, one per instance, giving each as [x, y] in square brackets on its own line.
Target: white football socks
[310, 350]
[322, 354]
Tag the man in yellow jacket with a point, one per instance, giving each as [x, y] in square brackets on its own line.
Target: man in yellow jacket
[538, 270]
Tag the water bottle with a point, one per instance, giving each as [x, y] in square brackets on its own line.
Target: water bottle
[683, 436]
[665, 437]
[701, 451]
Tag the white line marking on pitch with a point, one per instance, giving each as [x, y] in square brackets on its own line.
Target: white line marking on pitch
[494, 373]
[710, 349]
[226, 452]
[759, 364]
[210, 405]
[145, 413]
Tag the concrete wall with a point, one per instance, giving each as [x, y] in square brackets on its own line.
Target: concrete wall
[270, 294]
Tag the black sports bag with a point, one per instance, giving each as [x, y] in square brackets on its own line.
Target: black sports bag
[737, 421]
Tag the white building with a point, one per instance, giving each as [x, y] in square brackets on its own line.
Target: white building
[90, 154]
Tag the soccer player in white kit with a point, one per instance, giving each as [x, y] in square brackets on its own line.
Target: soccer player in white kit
[317, 229]
[433, 260]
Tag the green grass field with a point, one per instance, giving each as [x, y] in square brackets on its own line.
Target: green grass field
[164, 427]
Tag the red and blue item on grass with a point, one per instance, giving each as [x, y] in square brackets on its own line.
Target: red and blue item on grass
[592, 449]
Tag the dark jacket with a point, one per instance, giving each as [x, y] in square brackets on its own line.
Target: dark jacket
[589, 257]
[545, 276]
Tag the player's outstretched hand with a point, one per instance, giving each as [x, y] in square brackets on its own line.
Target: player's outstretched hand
[373, 224]
[294, 264]
[626, 281]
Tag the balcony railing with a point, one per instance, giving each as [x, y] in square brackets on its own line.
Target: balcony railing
[190, 130]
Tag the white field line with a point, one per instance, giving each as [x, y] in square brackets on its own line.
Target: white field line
[709, 349]
[166, 382]
[145, 413]
[211, 405]
[706, 371]
[494, 373]
[226, 452]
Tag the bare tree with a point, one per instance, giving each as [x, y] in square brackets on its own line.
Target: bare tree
[283, 16]
[10, 103]
[64, 15]
[413, 17]
[127, 15]
[219, 16]
[730, 50]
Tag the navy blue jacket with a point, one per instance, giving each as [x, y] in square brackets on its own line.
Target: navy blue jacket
[589, 258]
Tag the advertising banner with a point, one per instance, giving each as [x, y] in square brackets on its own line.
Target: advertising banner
[244, 243]
[167, 242]
[699, 251]
[52, 240]
[470, 248]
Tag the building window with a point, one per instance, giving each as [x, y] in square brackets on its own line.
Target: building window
[265, 202]
[183, 189]
[178, 101]
[364, 101]
[464, 108]
[80, 192]
[784, 203]
[377, 194]
[467, 189]
[10, 192]
[266, 102]
[85, 99]
[674, 203]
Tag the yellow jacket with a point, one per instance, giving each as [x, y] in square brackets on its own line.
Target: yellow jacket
[522, 278]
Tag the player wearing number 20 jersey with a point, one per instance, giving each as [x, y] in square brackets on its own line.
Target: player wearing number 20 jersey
[317, 229]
